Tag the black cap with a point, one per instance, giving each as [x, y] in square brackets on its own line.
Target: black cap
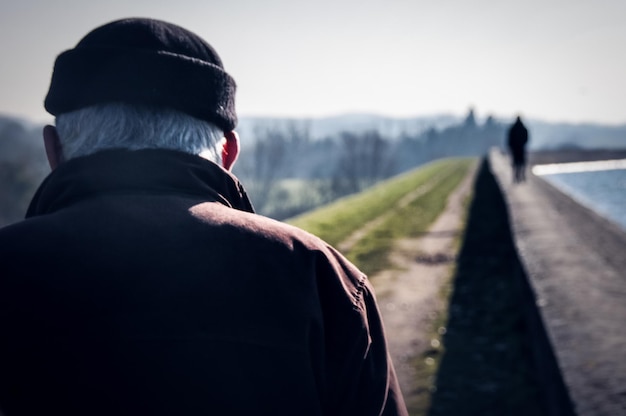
[144, 61]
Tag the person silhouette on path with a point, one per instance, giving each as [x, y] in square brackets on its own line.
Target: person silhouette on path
[517, 139]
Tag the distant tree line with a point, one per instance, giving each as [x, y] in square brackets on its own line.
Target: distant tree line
[23, 166]
[286, 172]
[467, 138]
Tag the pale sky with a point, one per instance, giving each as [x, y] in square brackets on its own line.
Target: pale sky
[549, 59]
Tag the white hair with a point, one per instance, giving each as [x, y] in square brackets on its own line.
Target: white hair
[123, 126]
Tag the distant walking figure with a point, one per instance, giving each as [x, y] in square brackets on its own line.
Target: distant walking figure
[517, 139]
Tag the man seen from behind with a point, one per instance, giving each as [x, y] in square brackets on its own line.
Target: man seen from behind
[142, 283]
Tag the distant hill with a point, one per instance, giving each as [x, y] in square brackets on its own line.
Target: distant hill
[544, 135]
[551, 136]
[323, 127]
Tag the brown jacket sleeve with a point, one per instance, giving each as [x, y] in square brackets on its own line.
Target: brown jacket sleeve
[361, 377]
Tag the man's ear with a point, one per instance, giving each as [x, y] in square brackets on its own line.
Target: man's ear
[230, 149]
[52, 143]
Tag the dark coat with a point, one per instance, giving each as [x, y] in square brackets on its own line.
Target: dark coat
[142, 283]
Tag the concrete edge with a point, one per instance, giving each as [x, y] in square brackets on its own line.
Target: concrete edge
[548, 373]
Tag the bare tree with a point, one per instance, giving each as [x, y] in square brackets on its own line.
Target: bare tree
[364, 160]
[272, 158]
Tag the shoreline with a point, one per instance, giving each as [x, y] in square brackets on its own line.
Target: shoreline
[542, 157]
[573, 156]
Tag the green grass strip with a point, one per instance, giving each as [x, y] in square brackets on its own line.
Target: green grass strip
[371, 253]
[337, 221]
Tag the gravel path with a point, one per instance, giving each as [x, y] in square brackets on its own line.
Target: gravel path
[410, 294]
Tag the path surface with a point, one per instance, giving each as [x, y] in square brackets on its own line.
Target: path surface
[409, 295]
[576, 266]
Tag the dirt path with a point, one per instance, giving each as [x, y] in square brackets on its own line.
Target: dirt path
[410, 294]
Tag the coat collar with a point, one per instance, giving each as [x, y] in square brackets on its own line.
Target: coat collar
[140, 171]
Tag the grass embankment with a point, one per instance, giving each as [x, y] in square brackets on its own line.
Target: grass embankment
[404, 206]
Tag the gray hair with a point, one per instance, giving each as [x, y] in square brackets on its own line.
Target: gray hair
[123, 126]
